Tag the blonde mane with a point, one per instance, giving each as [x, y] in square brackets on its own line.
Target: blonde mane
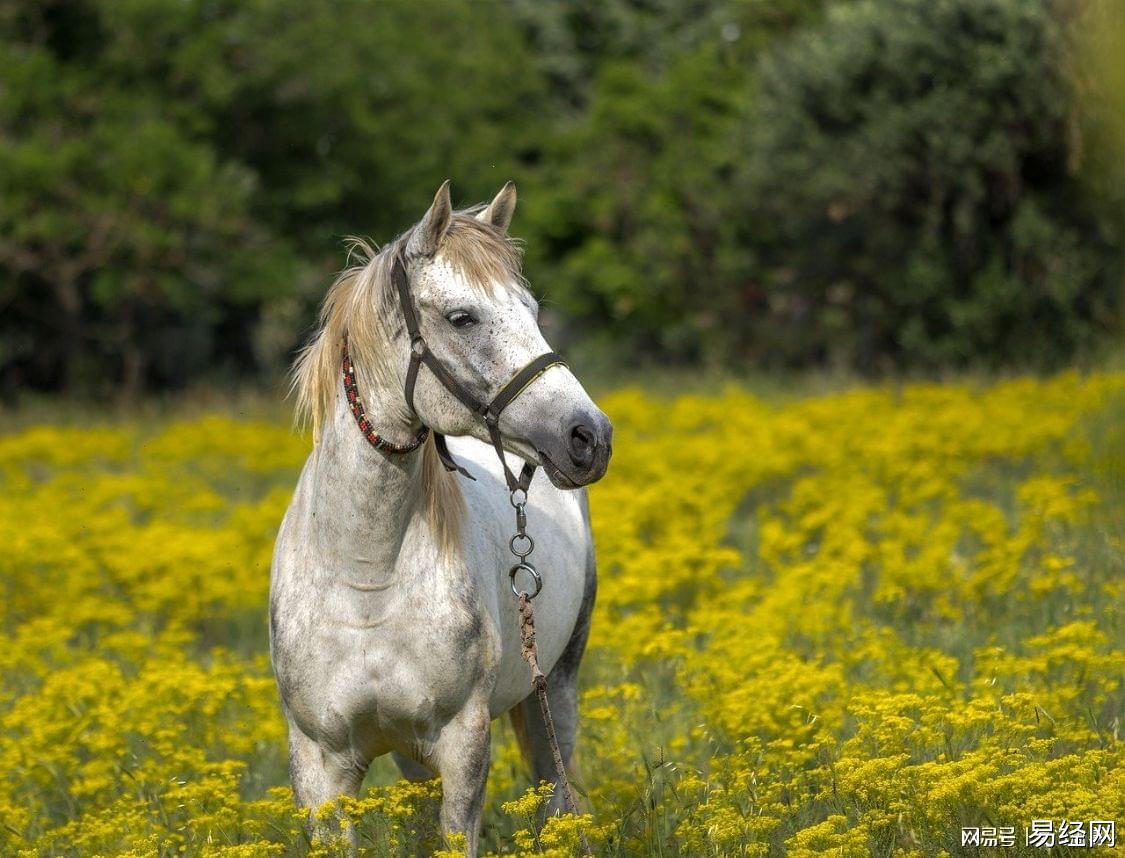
[362, 305]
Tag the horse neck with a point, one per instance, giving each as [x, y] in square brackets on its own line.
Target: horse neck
[363, 499]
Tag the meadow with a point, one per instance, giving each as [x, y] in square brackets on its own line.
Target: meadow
[846, 624]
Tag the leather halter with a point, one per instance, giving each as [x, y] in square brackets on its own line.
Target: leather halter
[488, 411]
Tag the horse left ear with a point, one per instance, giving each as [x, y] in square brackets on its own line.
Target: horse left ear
[434, 224]
[500, 210]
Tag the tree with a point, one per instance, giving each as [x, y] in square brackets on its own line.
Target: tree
[912, 186]
[924, 183]
[123, 237]
[632, 219]
[169, 166]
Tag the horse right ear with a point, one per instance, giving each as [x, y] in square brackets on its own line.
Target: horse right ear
[499, 212]
[427, 236]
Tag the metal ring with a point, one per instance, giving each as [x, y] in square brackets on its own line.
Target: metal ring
[516, 504]
[516, 551]
[530, 570]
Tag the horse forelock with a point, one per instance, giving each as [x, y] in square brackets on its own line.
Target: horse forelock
[484, 256]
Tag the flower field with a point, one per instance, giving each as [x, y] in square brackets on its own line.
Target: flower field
[849, 624]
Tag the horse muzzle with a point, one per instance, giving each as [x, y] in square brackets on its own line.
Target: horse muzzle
[580, 453]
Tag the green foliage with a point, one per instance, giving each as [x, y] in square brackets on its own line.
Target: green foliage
[894, 183]
[174, 172]
[636, 226]
[127, 242]
[913, 173]
[626, 234]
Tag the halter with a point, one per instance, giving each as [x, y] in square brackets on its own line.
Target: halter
[488, 411]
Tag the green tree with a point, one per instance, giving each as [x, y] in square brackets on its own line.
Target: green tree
[912, 184]
[167, 165]
[632, 217]
[123, 239]
[350, 113]
[898, 182]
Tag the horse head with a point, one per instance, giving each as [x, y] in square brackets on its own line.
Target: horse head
[475, 313]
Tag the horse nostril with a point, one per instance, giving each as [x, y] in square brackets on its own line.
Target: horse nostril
[583, 443]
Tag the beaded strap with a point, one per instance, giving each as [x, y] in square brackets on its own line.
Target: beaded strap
[356, 405]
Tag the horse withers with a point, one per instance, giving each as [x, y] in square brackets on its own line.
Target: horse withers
[393, 627]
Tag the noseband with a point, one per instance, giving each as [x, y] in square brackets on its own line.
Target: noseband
[489, 412]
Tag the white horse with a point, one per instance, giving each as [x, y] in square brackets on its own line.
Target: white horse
[393, 627]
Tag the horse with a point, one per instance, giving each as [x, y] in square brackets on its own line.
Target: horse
[393, 625]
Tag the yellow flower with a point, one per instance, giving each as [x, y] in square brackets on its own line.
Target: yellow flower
[845, 624]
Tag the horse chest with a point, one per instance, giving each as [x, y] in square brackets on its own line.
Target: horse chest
[421, 664]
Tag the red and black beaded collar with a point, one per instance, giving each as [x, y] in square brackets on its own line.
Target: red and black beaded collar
[356, 405]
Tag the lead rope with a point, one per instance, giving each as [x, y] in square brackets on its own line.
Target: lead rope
[521, 545]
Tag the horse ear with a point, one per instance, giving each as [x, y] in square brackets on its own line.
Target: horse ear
[500, 210]
[431, 229]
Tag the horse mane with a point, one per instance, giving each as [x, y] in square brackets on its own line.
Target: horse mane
[362, 305]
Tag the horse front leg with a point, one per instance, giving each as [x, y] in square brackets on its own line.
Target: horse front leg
[319, 775]
[462, 755]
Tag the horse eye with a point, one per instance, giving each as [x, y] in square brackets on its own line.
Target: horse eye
[461, 319]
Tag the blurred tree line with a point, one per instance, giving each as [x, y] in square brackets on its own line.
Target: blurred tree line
[876, 184]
